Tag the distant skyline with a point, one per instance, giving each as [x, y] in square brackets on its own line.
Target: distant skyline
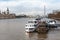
[29, 6]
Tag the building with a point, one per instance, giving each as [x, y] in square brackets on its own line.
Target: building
[55, 15]
[7, 15]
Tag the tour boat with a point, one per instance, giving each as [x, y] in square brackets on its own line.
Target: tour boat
[31, 25]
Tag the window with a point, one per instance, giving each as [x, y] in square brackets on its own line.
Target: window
[30, 28]
[26, 25]
[35, 25]
[26, 28]
[35, 21]
[30, 22]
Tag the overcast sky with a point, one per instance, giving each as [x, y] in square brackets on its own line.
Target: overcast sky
[29, 6]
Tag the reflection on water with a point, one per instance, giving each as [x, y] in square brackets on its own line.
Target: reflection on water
[42, 36]
[30, 36]
[36, 35]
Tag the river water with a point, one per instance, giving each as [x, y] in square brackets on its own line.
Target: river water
[14, 29]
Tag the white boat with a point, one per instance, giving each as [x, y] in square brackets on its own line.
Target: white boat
[31, 26]
[52, 22]
[49, 21]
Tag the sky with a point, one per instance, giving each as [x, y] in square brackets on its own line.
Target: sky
[30, 7]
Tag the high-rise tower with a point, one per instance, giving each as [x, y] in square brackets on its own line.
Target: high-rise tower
[7, 10]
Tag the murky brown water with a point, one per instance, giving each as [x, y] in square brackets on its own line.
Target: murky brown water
[14, 29]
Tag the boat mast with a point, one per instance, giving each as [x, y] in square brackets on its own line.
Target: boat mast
[44, 10]
[44, 6]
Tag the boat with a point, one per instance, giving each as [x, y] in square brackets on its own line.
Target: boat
[31, 25]
[42, 27]
[51, 24]
[49, 21]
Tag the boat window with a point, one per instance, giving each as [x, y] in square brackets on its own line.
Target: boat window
[30, 28]
[26, 25]
[30, 22]
[35, 22]
[35, 25]
[52, 21]
[26, 28]
[30, 25]
[38, 19]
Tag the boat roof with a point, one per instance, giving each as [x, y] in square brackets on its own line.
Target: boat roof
[32, 20]
[30, 24]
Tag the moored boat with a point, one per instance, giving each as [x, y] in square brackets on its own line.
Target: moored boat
[52, 24]
[42, 28]
[31, 25]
